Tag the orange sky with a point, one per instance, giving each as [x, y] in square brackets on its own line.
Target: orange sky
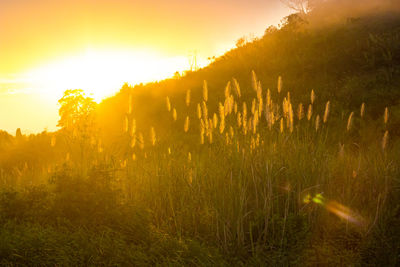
[47, 45]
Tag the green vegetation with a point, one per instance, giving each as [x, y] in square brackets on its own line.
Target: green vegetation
[188, 172]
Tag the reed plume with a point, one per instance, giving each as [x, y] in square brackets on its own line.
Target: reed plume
[153, 136]
[198, 110]
[386, 115]
[385, 140]
[362, 110]
[186, 125]
[205, 91]
[279, 84]
[174, 114]
[317, 123]
[350, 121]
[300, 112]
[309, 112]
[188, 97]
[312, 96]
[237, 87]
[327, 109]
[168, 103]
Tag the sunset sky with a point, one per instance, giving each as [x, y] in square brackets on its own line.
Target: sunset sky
[49, 46]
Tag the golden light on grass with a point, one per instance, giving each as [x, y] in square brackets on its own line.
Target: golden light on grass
[237, 87]
[350, 121]
[153, 136]
[327, 109]
[205, 91]
[385, 140]
[317, 119]
[386, 115]
[168, 103]
[312, 96]
[186, 125]
[362, 110]
[279, 84]
[309, 112]
[188, 97]
[174, 114]
[300, 112]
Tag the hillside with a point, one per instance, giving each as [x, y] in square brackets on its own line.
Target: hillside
[282, 152]
[348, 63]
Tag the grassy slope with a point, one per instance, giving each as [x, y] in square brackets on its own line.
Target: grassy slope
[227, 206]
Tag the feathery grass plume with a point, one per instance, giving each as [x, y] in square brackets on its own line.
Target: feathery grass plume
[188, 97]
[133, 156]
[231, 103]
[312, 97]
[350, 121]
[186, 125]
[254, 80]
[169, 151]
[215, 120]
[133, 128]
[268, 98]
[279, 84]
[235, 108]
[168, 103]
[221, 111]
[309, 112]
[260, 107]
[227, 140]
[259, 91]
[386, 115]
[285, 107]
[253, 106]
[362, 110]
[228, 89]
[202, 138]
[141, 141]
[327, 109]
[205, 91]
[300, 112]
[153, 136]
[126, 124]
[317, 123]
[221, 126]
[205, 111]
[189, 157]
[290, 117]
[210, 124]
[244, 110]
[239, 119]
[281, 125]
[254, 123]
[53, 141]
[174, 114]
[385, 140]
[237, 87]
[210, 137]
[288, 97]
[190, 176]
[133, 141]
[130, 104]
[231, 131]
[198, 111]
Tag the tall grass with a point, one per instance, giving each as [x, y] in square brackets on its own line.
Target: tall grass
[262, 185]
